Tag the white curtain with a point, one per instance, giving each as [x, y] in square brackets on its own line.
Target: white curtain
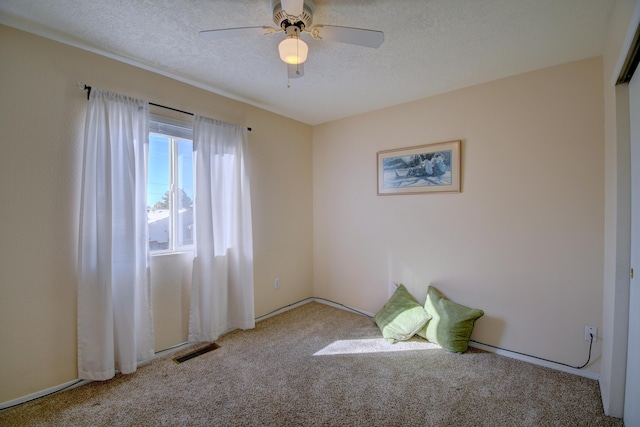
[222, 283]
[115, 329]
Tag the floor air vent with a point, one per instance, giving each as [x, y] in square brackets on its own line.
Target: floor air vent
[196, 353]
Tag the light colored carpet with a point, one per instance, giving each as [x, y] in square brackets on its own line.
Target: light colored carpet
[320, 366]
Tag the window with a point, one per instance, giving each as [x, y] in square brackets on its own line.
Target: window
[170, 185]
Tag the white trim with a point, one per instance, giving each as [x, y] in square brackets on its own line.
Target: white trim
[64, 39]
[166, 351]
[24, 399]
[170, 127]
[313, 299]
[343, 307]
[501, 352]
[284, 309]
[626, 45]
[536, 361]
[77, 383]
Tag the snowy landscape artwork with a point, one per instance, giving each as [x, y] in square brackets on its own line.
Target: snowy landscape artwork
[422, 169]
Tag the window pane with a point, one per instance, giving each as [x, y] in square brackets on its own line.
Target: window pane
[158, 192]
[184, 182]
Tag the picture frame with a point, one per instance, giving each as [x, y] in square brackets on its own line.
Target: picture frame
[430, 168]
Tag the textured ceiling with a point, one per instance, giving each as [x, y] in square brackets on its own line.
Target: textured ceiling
[430, 47]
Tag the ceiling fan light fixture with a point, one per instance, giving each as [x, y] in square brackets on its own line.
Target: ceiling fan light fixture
[293, 50]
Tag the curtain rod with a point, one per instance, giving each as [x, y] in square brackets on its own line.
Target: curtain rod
[88, 89]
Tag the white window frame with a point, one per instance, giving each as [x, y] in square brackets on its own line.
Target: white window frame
[174, 130]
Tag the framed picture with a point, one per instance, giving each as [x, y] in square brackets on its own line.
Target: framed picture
[422, 169]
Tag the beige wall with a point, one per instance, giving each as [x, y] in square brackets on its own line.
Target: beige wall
[523, 240]
[41, 120]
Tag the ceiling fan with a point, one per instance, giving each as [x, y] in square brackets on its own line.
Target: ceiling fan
[295, 17]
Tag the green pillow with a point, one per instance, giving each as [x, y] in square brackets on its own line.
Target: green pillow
[401, 317]
[451, 324]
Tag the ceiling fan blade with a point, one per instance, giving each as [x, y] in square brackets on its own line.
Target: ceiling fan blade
[295, 71]
[292, 7]
[358, 36]
[228, 33]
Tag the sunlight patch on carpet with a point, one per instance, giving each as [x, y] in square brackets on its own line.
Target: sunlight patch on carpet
[377, 345]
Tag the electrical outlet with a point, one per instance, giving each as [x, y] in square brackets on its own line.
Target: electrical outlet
[276, 283]
[590, 330]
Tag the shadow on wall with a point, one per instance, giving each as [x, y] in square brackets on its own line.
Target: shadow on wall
[496, 326]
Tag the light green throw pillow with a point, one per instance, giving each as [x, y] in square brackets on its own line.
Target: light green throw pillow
[401, 317]
[451, 324]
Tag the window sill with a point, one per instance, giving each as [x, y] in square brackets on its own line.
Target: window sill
[165, 253]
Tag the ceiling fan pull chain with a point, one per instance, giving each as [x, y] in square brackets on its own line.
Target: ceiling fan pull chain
[298, 52]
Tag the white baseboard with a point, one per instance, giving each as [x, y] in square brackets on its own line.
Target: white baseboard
[66, 386]
[536, 361]
[501, 352]
[340, 306]
[307, 301]
[283, 309]
[77, 383]
[513, 355]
